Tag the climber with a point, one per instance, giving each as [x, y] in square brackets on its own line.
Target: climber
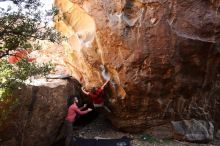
[73, 110]
[96, 96]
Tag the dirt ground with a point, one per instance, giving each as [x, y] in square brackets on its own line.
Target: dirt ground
[101, 128]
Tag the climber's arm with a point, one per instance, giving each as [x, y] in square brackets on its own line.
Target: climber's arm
[77, 110]
[83, 107]
[103, 86]
[84, 91]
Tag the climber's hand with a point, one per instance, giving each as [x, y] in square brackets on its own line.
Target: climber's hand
[89, 109]
[85, 105]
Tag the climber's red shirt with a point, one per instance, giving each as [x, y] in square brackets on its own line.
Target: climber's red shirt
[97, 96]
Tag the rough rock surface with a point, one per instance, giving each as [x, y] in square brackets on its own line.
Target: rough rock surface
[218, 134]
[99, 128]
[193, 130]
[162, 57]
[36, 120]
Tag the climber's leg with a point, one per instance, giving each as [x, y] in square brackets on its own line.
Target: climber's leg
[69, 132]
[106, 108]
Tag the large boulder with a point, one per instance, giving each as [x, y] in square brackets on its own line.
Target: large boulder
[193, 130]
[162, 57]
[37, 118]
[218, 134]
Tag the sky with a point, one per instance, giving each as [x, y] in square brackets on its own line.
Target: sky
[47, 4]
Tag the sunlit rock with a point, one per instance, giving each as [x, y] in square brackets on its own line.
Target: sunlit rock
[161, 57]
[77, 18]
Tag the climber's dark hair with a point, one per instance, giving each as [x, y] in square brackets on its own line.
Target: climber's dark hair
[93, 89]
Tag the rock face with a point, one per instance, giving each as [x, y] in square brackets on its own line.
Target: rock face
[40, 113]
[218, 134]
[193, 130]
[162, 57]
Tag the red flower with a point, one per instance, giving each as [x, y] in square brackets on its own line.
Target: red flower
[18, 55]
